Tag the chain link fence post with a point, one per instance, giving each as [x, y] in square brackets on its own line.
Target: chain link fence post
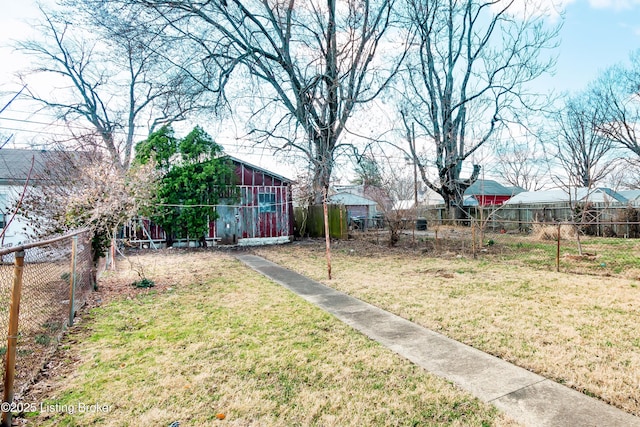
[558, 249]
[12, 336]
[72, 279]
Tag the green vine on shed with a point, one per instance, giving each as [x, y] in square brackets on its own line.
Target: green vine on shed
[197, 176]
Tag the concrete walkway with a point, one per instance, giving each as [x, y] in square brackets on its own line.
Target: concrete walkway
[526, 397]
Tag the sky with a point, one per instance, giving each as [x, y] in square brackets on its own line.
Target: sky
[595, 35]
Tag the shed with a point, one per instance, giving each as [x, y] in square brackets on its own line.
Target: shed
[262, 214]
[357, 206]
[487, 192]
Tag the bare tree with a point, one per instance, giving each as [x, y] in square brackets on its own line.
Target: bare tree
[467, 77]
[625, 174]
[394, 199]
[617, 92]
[312, 63]
[4, 140]
[521, 164]
[582, 150]
[111, 77]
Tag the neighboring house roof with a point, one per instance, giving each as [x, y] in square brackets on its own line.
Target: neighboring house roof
[350, 188]
[631, 195]
[515, 190]
[367, 191]
[482, 187]
[15, 164]
[594, 195]
[349, 199]
[488, 187]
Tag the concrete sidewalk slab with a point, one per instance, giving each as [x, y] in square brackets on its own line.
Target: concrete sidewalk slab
[526, 397]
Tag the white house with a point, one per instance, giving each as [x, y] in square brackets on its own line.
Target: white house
[18, 167]
[600, 195]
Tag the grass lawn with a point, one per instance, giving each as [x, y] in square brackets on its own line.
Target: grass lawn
[579, 330]
[214, 339]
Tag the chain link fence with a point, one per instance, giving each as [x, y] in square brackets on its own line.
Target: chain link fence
[572, 247]
[42, 285]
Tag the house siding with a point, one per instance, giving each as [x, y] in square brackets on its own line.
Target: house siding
[264, 211]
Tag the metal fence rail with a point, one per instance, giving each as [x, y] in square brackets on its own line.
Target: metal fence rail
[42, 285]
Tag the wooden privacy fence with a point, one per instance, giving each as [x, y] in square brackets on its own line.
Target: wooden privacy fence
[310, 221]
[42, 285]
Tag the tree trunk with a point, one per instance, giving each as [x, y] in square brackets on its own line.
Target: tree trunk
[321, 177]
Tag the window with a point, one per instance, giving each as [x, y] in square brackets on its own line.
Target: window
[266, 202]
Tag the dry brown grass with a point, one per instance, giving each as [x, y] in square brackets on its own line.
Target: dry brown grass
[215, 337]
[542, 231]
[578, 330]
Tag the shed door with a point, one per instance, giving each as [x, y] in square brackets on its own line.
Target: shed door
[227, 225]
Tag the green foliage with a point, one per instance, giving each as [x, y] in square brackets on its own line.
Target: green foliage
[160, 146]
[198, 146]
[100, 242]
[196, 174]
[144, 283]
[43, 339]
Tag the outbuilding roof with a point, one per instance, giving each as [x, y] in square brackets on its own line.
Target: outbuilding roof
[594, 195]
[631, 195]
[258, 168]
[349, 199]
[488, 187]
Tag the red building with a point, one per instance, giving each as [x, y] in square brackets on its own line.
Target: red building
[263, 214]
[265, 211]
[487, 192]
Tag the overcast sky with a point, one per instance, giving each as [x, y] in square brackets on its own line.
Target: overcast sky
[596, 34]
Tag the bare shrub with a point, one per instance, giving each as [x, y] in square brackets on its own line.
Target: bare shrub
[630, 216]
[543, 231]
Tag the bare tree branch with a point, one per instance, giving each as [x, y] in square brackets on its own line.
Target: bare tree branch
[110, 76]
[466, 78]
[581, 149]
[312, 64]
[617, 93]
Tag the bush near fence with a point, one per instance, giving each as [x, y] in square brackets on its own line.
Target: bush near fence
[57, 276]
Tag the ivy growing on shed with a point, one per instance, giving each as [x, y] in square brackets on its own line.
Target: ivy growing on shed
[196, 175]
